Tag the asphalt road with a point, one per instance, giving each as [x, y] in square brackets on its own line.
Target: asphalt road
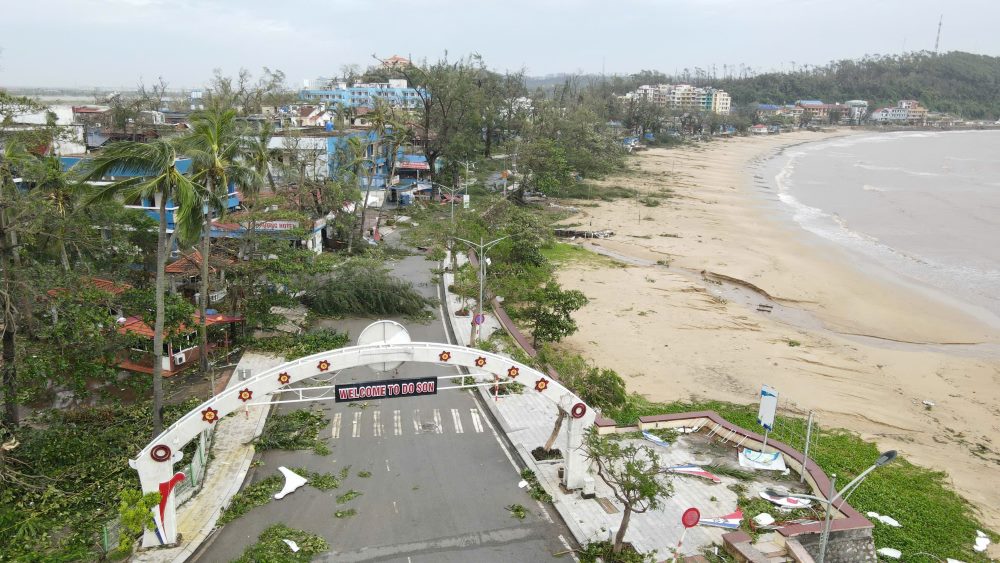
[440, 477]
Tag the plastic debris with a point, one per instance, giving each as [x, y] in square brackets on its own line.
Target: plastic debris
[982, 541]
[763, 519]
[887, 520]
[890, 553]
[292, 481]
[522, 484]
[292, 545]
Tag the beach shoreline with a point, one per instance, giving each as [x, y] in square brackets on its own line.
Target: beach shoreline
[842, 339]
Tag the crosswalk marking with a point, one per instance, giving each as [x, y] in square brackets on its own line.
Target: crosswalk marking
[438, 428]
[433, 426]
[335, 430]
[476, 422]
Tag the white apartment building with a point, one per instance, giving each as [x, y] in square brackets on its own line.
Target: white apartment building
[685, 97]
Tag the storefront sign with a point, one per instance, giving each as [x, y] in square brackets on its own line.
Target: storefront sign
[388, 389]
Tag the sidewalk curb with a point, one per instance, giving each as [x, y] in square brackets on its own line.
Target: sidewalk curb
[484, 397]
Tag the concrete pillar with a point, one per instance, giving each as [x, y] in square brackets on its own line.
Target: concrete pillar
[576, 464]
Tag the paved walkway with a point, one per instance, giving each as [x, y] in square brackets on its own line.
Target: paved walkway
[527, 421]
[231, 453]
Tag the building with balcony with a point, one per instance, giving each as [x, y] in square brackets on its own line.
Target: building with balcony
[395, 92]
[150, 205]
[685, 97]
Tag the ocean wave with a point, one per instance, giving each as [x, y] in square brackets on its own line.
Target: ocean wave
[878, 168]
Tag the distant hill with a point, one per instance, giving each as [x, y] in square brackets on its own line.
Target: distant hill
[961, 83]
[955, 82]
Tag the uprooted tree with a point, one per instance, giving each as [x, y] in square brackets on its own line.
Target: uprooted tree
[632, 472]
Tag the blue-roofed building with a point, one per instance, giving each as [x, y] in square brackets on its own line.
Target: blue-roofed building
[396, 93]
[149, 204]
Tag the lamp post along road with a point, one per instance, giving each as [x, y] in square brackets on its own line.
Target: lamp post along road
[451, 192]
[481, 250]
[883, 459]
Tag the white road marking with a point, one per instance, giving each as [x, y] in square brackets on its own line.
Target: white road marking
[545, 513]
[378, 424]
[356, 432]
[397, 424]
[335, 430]
[457, 420]
[416, 421]
[477, 423]
[438, 429]
[387, 465]
[394, 507]
[572, 553]
[496, 437]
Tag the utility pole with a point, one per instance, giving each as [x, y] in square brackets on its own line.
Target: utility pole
[937, 41]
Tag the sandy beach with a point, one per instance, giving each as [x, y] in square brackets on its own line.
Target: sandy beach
[844, 338]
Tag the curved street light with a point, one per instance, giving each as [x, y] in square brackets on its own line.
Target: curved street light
[883, 459]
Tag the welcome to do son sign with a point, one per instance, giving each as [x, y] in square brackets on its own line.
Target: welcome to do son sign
[387, 389]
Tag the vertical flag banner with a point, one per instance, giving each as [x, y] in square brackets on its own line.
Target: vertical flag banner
[768, 404]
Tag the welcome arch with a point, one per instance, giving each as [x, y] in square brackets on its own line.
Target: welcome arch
[155, 462]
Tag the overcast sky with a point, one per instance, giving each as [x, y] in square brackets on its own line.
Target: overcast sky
[116, 42]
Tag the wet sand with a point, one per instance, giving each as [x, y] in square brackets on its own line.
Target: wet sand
[845, 338]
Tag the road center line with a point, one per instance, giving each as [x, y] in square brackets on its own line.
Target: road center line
[457, 420]
[416, 421]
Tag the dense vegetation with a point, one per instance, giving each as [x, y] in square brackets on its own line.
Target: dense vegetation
[961, 83]
[61, 485]
[957, 82]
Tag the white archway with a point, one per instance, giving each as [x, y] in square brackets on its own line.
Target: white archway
[155, 462]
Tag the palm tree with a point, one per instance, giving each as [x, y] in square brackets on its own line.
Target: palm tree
[216, 147]
[159, 179]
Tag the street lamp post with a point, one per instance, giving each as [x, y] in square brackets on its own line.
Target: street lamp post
[481, 248]
[883, 459]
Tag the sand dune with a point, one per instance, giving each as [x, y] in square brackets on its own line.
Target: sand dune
[869, 349]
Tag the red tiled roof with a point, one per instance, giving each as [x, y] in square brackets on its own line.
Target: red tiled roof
[190, 264]
[98, 283]
[135, 325]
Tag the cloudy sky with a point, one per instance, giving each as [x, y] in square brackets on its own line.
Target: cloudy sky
[116, 43]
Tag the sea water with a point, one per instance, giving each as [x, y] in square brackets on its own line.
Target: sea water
[923, 205]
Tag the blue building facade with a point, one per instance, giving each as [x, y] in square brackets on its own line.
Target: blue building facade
[148, 204]
[395, 92]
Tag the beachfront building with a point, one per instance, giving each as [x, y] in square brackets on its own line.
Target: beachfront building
[395, 92]
[858, 110]
[915, 113]
[685, 97]
[889, 115]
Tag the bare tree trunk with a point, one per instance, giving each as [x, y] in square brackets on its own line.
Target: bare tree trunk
[9, 334]
[206, 249]
[555, 431]
[161, 282]
[364, 206]
[620, 536]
